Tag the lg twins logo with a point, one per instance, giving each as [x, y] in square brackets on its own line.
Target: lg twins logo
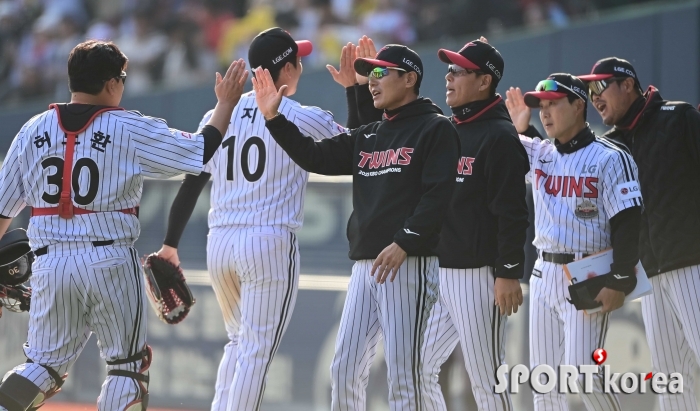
[382, 159]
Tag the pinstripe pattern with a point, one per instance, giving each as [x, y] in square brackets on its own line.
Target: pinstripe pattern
[395, 311]
[673, 331]
[80, 293]
[602, 167]
[559, 334]
[79, 289]
[276, 198]
[465, 313]
[139, 146]
[257, 200]
[255, 275]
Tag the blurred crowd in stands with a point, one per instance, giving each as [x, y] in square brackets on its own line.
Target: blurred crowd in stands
[181, 43]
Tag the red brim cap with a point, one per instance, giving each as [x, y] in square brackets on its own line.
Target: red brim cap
[363, 66]
[594, 77]
[450, 57]
[305, 48]
[532, 98]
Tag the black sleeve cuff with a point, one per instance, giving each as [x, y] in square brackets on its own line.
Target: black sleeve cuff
[277, 123]
[212, 141]
[619, 282]
[353, 117]
[532, 132]
[183, 205]
[513, 271]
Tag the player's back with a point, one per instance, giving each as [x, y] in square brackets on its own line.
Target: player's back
[112, 155]
[255, 181]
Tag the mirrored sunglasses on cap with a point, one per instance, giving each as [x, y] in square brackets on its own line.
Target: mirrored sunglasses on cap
[553, 85]
[379, 72]
[597, 87]
[457, 71]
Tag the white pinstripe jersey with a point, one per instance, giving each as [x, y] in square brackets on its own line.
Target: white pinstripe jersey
[576, 194]
[255, 181]
[111, 158]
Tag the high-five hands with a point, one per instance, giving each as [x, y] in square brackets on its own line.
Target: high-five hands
[228, 89]
[266, 94]
[346, 75]
[365, 50]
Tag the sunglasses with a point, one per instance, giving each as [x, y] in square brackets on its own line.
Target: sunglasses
[379, 72]
[459, 71]
[597, 87]
[553, 85]
[121, 77]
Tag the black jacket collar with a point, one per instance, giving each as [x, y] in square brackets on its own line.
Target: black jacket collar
[417, 107]
[651, 100]
[488, 109]
[580, 140]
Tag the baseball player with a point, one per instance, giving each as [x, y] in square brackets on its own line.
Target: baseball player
[664, 139]
[587, 199]
[80, 166]
[482, 240]
[403, 176]
[256, 208]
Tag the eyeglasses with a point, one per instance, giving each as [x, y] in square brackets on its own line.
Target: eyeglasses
[597, 87]
[459, 71]
[553, 85]
[379, 72]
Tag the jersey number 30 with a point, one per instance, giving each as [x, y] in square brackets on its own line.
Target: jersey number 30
[230, 145]
[56, 179]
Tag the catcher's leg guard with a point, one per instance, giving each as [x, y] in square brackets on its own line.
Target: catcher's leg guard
[19, 393]
[140, 403]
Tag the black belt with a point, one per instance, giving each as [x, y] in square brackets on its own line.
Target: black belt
[45, 249]
[557, 258]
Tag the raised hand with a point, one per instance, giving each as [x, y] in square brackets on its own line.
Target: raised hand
[366, 50]
[346, 76]
[519, 112]
[229, 88]
[266, 94]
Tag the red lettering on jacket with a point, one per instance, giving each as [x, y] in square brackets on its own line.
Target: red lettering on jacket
[365, 158]
[378, 158]
[405, 153]
[392, 156]
[465, 166]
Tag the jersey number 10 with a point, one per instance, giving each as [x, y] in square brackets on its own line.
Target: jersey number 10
[230, 144]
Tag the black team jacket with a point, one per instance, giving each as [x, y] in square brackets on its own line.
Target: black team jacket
[664, 139]
[487, 219]
[403, 171]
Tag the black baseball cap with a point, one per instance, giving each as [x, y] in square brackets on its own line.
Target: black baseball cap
[392, 55]
[476, 55]
[274, 47]
[611, 67]
[556, 86]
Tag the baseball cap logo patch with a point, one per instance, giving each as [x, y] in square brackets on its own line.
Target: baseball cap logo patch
[413, 66]
[282, 56]
[625, 70]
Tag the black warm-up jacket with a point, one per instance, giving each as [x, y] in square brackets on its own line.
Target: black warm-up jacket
[403, 170]
[486, 221]
[664, 139]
